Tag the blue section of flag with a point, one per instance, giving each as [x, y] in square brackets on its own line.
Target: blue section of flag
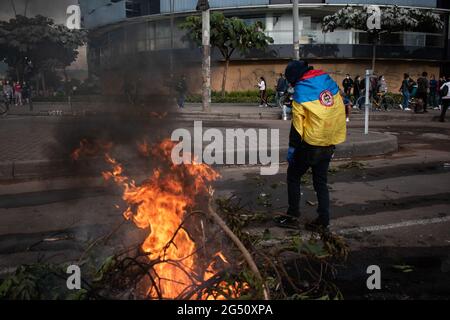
[309, 90]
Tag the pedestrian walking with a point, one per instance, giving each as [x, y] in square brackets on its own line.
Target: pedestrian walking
[181, 89]
[357, 88]
[405, 90]
[26, 92]
[282, 87]
[423, 86]
[445, 93]
[18, 94]
[347, 84]
[382, 90]
[434, 92]
[440, 83]
[318, 125]
[8, 92]
[262, 85]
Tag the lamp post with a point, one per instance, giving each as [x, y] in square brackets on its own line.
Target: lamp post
[203, 6]
[296, 31]
[172, 9]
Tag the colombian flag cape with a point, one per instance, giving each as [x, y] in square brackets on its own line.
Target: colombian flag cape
[318, 110]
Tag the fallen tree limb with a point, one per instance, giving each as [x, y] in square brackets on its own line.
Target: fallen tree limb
[247, 256]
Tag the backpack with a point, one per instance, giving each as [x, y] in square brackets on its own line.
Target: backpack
[422, 84]
[444, 91]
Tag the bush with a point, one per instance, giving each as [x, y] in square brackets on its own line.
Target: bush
[249, 96]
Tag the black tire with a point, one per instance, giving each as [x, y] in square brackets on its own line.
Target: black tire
[4, 108]
[389, 104]
[361, 102]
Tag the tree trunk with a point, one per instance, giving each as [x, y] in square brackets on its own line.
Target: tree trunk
[225, 73]
[44, 85]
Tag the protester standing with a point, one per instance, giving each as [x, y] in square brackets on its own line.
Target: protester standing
[318, 124]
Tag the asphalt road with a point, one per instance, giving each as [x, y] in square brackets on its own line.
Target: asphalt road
[392, 210]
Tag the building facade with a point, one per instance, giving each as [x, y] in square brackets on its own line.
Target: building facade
[135, 41]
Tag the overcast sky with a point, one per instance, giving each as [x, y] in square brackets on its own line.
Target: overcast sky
[55, 9]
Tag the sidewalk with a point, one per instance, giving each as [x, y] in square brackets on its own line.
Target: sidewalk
[34, 147]
[194, 111]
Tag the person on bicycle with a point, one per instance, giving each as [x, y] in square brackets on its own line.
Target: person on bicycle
[282, 87]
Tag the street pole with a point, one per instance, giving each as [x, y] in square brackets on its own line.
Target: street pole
[206, 61]
[172, 9]
[296, 30]
[367, 103]
[203, 6]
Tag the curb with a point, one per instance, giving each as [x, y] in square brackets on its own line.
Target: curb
[33, 169]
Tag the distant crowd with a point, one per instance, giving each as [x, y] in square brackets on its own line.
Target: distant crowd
[15, 92]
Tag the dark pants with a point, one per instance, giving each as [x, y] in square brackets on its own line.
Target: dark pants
[262, 96]
[433, 98]
[424, 97]
[317, 158]
[180, 100]
[445, 104]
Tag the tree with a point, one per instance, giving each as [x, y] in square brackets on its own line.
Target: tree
[393, 19]
[38, 42]
[228, 35]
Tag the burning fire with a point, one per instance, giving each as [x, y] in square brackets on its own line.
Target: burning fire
[159, 204]
[91, 148]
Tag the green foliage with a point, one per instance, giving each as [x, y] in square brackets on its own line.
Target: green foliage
[393, 19]
[228, 34]
[37, 281]
[46, 44]
[250, 96]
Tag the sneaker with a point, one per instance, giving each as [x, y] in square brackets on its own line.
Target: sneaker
[348, 120]
[407, 109]
[286, 221]
[316, 226]
[261, 106]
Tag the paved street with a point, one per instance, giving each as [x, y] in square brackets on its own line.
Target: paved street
[392, 209]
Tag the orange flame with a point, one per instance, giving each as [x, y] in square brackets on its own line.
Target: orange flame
[159, 204]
